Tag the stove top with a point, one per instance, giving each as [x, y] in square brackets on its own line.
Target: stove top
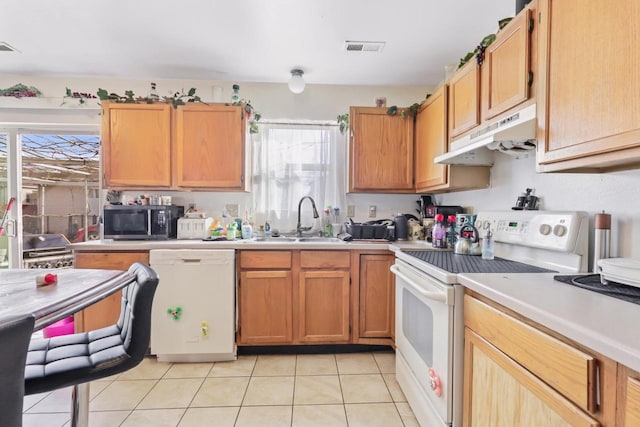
[592, 282]
[455, 263]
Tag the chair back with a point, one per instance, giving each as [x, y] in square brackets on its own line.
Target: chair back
[135, 312]
[15, 334]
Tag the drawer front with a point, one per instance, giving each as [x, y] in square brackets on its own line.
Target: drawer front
[265, 259]
[568, 370]
[325, 259]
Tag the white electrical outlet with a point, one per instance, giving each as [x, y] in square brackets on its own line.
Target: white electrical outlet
[232, 209]
[351, 211]
[372, 211]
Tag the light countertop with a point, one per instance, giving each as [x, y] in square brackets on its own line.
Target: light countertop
[604, 324]
[107, 245]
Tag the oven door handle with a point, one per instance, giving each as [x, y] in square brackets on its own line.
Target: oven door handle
[436, 296]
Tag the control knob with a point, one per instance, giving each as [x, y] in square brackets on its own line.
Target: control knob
[559, 230]
[545, 229]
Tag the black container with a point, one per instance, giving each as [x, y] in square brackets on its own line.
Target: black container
[402, 227]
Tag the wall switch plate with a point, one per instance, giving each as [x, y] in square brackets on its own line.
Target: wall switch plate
[372, 211]
[232, 209]
[351, 211]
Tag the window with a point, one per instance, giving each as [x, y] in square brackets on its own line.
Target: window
[293, 160]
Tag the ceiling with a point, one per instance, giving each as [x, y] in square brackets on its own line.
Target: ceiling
[249, 40]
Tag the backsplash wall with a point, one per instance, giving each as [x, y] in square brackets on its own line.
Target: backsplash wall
[617, 193]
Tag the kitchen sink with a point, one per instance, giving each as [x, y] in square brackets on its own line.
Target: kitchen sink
[318, 240]
[274, 239]
[291, 239]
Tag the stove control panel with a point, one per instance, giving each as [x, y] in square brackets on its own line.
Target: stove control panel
[561, 231]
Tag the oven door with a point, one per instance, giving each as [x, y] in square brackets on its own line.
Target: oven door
[424, 335]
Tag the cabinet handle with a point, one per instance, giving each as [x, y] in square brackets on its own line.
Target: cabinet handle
[530, 79]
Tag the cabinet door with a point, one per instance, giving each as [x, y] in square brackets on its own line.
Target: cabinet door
[105, 312]
[505, 79]
[136, 145]
[324, 306]
[209, 148]
[265, 306]
[431, 141]
[381, 154]
[464, 99]
[589, 81]
[628, 397]
[377, 296]
[499, 392]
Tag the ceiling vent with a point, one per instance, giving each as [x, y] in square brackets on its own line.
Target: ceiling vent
[364, 46]
[5, 47]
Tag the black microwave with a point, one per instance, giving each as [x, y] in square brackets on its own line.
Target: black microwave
[140, 222]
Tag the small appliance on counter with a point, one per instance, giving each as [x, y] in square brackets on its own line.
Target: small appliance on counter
[136, 222]
[194, 227]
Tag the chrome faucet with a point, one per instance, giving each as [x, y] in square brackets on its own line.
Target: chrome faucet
[299, 227]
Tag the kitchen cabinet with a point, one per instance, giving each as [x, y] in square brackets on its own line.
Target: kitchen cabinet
[589, 86]
[519, 373]
[376, 298]
[155, 146]
[506, 71]
[464, 99]
[105, 312]
[209, 147]
[323, 296]
[628, 397]
[136, 145]
[381, 151]
[430, 142]
[291, 297]
[265, 297]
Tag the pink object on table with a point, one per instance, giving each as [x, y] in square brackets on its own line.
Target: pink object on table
[61, 327]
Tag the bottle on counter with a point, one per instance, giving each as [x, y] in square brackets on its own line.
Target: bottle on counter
[487, 244]
[451, 231]
[439, 233]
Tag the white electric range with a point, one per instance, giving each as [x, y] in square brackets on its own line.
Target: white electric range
[429, 311]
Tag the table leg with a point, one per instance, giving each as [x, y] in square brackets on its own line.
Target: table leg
[80, 405]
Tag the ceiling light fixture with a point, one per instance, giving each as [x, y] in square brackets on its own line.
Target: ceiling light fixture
[296, 83]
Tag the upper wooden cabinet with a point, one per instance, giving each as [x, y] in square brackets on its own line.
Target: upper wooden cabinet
[589, 85]
[464, 99]
[381, 151]
[196, 146]
[506, 71]
[209, 146]
[430, 142]
[136, 145]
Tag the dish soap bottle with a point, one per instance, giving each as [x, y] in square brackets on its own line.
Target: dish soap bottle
[487, 244]
[439, 233]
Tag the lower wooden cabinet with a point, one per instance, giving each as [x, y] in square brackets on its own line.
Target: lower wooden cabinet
[264, 299]
[107, 311]
[376, 308]
[628, 397]
[323, 298]
[519, 373]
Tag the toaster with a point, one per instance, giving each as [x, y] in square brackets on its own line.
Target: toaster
[194, 228]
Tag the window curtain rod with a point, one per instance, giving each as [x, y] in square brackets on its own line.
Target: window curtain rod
[278, 122]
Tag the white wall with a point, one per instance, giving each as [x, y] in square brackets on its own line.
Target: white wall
[617, 193]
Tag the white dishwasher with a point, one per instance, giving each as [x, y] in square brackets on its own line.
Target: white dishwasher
[193, 314]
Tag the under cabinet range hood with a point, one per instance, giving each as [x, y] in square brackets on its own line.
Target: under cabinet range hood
[514, 135]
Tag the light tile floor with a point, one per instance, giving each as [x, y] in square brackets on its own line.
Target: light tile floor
[306, 390]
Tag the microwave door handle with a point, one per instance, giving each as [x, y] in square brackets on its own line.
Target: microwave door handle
[436, 296]
[149, 223]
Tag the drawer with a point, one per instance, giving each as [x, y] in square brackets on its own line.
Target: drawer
[265, 259]
[325, 259]
[568, 370]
